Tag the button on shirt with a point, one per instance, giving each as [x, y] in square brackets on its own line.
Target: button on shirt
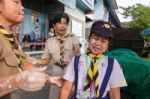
[117, 78]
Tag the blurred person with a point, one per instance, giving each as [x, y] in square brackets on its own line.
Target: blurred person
[59, 50]
[35, 34]
[32, 35]
[51, 33]
[15, 71]
[26, 38]
[35, 37]
[94, 75]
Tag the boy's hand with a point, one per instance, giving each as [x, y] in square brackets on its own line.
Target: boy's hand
[31, 80]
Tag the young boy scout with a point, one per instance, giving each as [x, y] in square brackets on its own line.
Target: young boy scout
[15, 71]
[59, 50]
[94, 75]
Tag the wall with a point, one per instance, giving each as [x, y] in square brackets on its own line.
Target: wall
[29, 21]
[77, 16]
[99, 11]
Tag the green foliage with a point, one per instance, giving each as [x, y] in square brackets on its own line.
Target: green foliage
[146, 38]
[140, 15]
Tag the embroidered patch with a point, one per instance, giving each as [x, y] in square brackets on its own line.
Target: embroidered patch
[81, 63]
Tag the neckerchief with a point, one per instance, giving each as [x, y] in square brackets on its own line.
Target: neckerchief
[13, 44]
[93, 73]
[62, 49]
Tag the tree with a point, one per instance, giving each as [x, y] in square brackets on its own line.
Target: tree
[140, 15]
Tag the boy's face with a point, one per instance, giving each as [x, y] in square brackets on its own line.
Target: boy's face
[37, 29]
[11, 11]
[98, 44]
[61, 27]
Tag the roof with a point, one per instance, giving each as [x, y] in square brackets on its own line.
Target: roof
[127, 34]
[112, 6]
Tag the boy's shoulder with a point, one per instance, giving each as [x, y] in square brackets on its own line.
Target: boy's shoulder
[51, 39]
[81, 56]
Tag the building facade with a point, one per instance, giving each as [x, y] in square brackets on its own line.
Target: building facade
[38, 13]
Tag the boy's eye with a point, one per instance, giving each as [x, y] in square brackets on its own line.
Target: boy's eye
[104, 41]
[16, 1]
[95, 37]
[65, 23]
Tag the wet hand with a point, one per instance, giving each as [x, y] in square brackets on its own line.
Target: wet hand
[32, 80]
[33, 60]
[55, 80]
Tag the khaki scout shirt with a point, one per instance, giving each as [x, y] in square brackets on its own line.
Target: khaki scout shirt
[52, 49]
[8, 60]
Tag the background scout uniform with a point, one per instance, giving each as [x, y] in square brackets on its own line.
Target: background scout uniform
[53, 51]
[8, 59]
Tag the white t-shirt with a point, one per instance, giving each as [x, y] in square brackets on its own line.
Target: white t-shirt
[117, 78]
[51, 34]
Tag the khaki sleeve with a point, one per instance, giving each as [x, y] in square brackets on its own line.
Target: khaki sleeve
[75, 40]
[46, 54]
[76, 46]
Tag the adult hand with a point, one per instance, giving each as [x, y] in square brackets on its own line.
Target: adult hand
[32, 60]
[55, 80]
[31, 80]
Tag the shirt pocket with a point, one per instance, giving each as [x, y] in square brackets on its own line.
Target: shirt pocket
[11, 60]
[69, 45]
[69, 53]
[53, 48]
[68, 48]
[54, 51]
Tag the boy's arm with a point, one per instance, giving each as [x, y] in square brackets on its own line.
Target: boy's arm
[77, 49]
[66, 89]
[76, 46]
[114, 93]
[43, 61]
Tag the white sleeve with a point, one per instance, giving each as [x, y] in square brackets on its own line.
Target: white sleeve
[117, 78]
[70, 75]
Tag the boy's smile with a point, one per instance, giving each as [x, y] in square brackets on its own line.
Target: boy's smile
[98, 44]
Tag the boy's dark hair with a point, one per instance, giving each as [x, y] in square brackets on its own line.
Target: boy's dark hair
[57, 17]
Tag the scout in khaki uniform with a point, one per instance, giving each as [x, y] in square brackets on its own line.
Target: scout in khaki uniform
[59, 50]
[15, 71]
[94, 75]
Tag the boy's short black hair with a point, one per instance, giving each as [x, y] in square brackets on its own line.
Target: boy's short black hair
[57, 17]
